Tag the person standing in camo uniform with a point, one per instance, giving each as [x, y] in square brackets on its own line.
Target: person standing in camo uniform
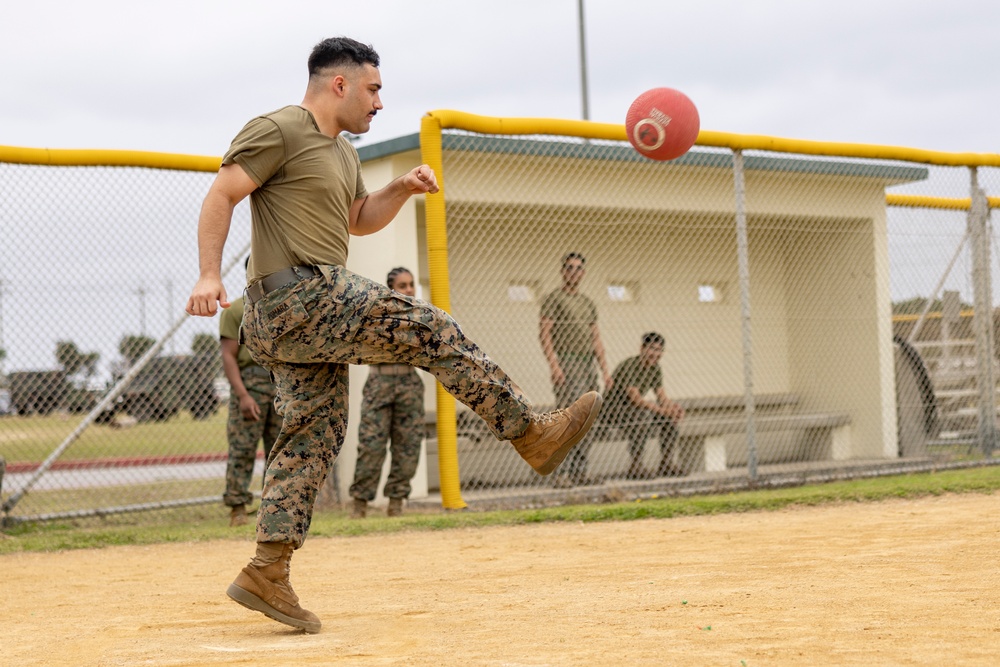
[571, 342]
[307, 317]
[252, 416]
[392, 410]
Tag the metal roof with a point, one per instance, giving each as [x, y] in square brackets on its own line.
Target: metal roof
[622, 152]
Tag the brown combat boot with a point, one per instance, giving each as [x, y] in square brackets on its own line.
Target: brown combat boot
[267, 590]
[395, 507]
[359, 508]
[550, 435]
[238, 516]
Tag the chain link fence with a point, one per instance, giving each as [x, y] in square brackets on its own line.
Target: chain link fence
[111, 398]
[786, 291]
[810, 330]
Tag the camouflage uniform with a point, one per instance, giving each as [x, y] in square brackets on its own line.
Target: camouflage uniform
[243, 434]
[307, 332]
[392, 408]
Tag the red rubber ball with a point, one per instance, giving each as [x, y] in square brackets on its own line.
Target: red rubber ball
[662, 124]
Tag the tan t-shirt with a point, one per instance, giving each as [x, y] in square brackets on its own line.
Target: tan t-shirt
[306, 182]
[572, 317]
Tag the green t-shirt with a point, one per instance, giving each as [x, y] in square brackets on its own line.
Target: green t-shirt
[306, 182]
[229, 327]
[631, 373]
[572, 316]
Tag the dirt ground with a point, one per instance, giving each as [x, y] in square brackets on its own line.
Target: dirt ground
[914, 582]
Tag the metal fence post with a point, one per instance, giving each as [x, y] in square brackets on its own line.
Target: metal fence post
[744, 273]
[978, 225]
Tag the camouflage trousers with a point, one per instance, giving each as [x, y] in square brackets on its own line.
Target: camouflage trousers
[392, 409]
[307, 332]
[580, 375]
[243, 435]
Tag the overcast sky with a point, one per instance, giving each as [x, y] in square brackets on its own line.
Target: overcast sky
[185, 75]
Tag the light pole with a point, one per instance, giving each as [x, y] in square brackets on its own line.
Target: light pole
[170, 311]
[583, 62]
[142, 310]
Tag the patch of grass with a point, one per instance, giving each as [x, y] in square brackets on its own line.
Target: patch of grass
[33, 438]
[201, 523]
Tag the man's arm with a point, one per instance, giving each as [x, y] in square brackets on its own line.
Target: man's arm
[230, 187]
[231, 367]
[598, 345]
[636, 399]
[372, 213]
[663, 406]
[668, 408]
[545, 325]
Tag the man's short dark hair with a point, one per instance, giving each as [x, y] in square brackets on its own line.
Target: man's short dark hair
[574, 255]
[340, 51]
[390, 279]
[651, 338]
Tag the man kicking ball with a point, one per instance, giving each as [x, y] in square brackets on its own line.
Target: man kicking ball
[307, 317]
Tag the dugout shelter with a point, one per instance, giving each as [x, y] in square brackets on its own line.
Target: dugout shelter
[794, 304]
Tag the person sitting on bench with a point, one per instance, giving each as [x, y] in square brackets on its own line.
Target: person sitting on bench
[638, 419]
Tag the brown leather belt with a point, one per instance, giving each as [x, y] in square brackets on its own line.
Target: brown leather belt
[390, 369]
[293, 274]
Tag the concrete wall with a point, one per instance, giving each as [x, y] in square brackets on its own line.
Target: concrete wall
[818, 265]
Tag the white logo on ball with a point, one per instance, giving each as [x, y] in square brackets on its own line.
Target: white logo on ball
[641, 132]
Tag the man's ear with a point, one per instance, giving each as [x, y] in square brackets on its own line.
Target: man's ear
[338, 84]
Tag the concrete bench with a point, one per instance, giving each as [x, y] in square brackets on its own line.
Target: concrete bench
[830, 430]
[761, 402]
